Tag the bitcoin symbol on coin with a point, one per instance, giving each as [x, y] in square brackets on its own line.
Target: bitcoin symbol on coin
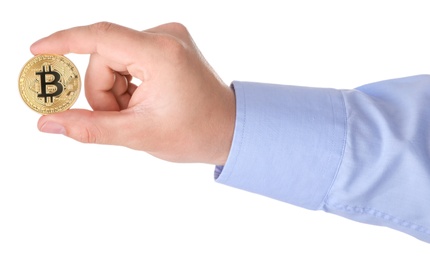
[49, 83]
[55, 82]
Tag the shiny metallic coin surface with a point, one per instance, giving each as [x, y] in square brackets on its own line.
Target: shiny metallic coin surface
[49, 83]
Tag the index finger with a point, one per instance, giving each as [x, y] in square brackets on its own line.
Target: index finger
[110, 40]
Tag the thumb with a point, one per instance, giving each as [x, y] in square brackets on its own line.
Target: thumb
[100, 127]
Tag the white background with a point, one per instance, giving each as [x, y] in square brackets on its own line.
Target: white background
[60, 199]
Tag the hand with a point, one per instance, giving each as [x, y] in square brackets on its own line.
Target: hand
[180, 112]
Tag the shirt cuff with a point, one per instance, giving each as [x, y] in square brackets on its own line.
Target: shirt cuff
[288, 142]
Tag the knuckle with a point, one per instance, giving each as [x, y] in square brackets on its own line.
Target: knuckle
[90, 136]
[174, 39]
[178, 28]
[172, 47]
[101, 27]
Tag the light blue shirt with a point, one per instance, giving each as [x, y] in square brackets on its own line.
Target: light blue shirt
[363, 154]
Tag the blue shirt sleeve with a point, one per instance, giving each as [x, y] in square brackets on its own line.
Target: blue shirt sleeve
[363, 154]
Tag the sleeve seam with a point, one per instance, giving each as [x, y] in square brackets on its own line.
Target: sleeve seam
[381, 215]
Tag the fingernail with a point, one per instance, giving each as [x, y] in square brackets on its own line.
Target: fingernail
[53, 128]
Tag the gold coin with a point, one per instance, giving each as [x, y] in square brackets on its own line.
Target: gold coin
[49, 83]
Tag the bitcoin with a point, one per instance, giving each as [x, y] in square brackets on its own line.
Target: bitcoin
[49, 83]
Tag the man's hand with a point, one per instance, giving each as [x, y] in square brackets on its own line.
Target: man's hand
[180, 112]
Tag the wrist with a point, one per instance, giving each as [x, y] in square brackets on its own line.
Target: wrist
[225, 124]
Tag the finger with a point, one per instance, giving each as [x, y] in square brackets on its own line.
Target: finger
[132, 86]
[100, 127]
[107, 39]
[99, 80]
[106, 89]
[122, 89]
